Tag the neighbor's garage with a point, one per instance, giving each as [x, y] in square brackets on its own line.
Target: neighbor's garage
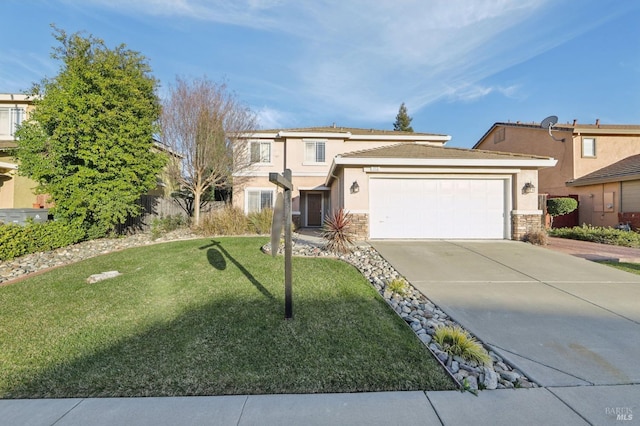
[437, 208]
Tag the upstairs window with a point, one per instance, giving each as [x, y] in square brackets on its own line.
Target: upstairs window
[10, 119]
[259, 199]
[588, 147]
[260, 152]
[314, 152]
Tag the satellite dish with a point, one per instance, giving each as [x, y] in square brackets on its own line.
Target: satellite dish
[548, 123]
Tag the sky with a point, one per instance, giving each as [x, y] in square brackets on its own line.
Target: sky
[458, 65]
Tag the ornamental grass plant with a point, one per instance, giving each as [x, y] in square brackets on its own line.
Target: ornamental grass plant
[456, 341]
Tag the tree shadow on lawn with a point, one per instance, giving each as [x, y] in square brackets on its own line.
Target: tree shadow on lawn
[200, 353]
[215, 258]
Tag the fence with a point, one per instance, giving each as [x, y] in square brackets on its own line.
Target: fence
[152, 207]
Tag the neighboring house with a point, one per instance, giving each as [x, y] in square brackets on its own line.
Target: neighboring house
[395, 184]
[15, 191]
[597, 163]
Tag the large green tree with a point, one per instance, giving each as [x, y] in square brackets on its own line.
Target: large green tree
[88, 142]
[403, 121]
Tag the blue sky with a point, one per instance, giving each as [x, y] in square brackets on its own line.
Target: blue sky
[459, 65]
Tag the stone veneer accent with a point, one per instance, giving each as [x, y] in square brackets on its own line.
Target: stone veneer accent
[523, 223]
[360, 226]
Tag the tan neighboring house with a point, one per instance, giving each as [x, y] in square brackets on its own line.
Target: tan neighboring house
[597, 163]
[15, 191]
[395, 184]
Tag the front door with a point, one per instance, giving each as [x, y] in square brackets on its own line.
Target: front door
[314, 209]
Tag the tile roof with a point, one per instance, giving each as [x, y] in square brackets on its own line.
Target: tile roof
[352, 130]
[625, 169]
[416, 150]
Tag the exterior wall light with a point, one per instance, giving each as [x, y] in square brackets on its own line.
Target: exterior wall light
[355, 188]
[528, 188]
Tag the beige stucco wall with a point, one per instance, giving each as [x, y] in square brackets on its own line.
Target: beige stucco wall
[522, 201]
[594, 203]
[609, 149]
[533, 141]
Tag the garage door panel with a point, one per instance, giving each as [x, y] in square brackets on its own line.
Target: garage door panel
[437, 208]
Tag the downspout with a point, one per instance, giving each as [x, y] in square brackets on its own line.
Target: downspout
[340, 189]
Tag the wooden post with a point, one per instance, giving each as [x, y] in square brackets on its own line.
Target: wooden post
[284, 181]
[288, 296]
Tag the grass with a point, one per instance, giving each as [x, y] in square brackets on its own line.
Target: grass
[204, 317]
[634, 268]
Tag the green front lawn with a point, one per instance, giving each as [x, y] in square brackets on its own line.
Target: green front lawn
[204, 317]
[634, 268]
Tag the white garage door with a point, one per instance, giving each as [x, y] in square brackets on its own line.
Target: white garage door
[437, 208]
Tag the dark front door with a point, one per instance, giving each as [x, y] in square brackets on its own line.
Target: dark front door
[314, 209]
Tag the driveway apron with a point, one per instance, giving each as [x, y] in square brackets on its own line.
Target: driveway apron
[562, 320]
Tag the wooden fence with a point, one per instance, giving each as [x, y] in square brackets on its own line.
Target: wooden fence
[152, 207]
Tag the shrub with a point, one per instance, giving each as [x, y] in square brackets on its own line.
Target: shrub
[260, 222]
[457, 342]
[598, 234]
[537, 238]
[16, 240]
[561, 205]
[162, 225]
[226, 221]
[336, 231]
[398, 286]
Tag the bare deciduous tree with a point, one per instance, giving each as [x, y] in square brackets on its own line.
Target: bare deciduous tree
[203, 121]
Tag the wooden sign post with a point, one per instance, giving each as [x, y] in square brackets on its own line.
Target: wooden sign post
[284, 181]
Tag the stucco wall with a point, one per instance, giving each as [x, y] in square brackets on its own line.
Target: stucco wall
[536, 141]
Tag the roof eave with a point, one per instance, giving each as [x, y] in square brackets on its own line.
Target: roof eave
[607, 179]
[444, 162]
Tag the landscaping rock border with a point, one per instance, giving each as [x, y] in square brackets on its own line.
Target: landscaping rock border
[423, 316]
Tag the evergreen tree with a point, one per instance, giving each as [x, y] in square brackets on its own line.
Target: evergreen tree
[403, 121]
[88, 141]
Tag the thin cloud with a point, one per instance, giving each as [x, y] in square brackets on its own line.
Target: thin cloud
[360, 59]
[270, 118]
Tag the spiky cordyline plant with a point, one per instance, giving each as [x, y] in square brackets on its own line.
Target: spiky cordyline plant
[336, 231]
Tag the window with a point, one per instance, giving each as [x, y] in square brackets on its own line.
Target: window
[10, 119]
[588, 147]
[314, 152]
[261, 152]
[258, 199]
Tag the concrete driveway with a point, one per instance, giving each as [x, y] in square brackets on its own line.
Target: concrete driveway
[562, 320]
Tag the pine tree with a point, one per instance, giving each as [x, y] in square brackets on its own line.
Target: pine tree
[403, 121]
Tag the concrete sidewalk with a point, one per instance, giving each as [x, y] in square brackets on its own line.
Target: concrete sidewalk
[596, 405]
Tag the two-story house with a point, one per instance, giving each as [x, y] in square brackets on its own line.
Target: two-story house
[599, 164]
[15, 191]
[395, 184]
